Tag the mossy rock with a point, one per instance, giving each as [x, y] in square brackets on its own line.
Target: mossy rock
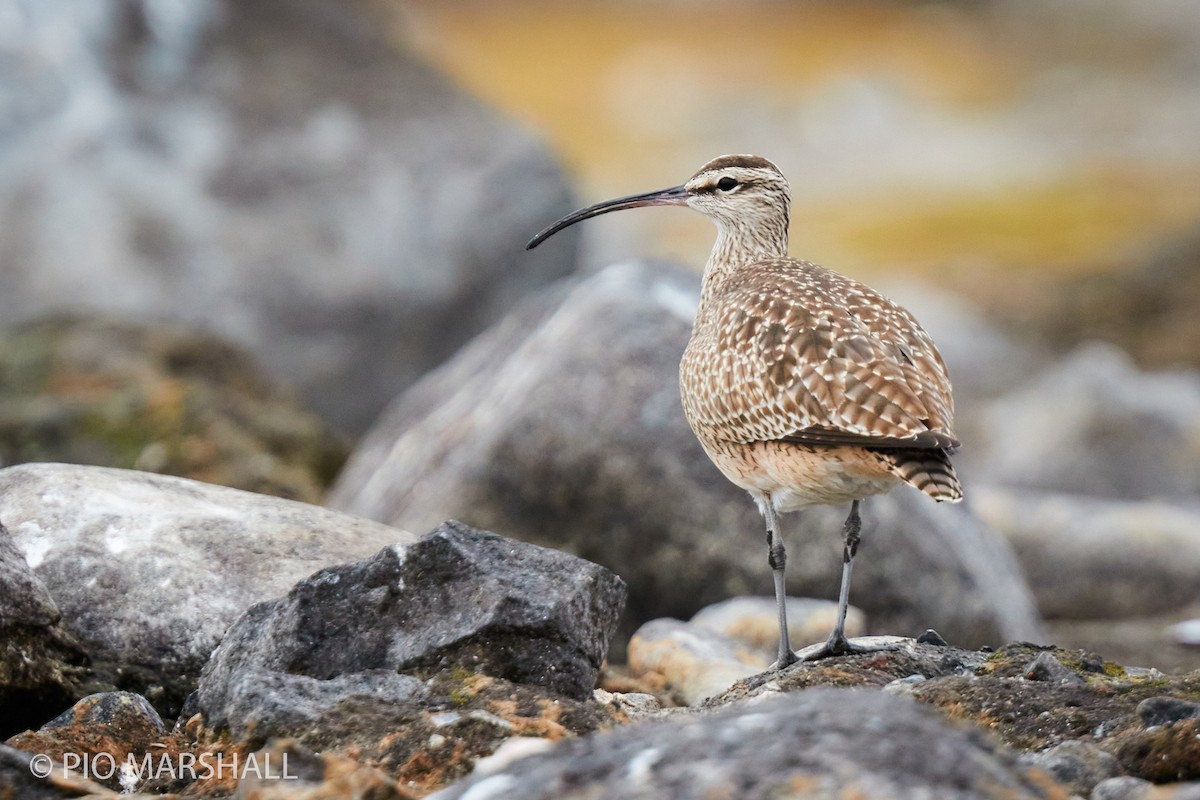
[160, 398]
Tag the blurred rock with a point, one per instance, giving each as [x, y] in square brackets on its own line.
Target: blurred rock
[456, 598]
[563, 424]
[1078, 764]
[1187, 632]
[1166, 710]
[1122, 788]
[754, 621]
[1162, 753]
[689, 662]
[1094, 424]
[18, 781]
[149, 570]
[820, 743]
[1092, 558]
[40, 663]
[275, 170]
[1147, 307]
[95, 390]
[1048, 668]
[1173, 791]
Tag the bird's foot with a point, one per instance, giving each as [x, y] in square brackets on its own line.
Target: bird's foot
[839, 645]
[785, 659]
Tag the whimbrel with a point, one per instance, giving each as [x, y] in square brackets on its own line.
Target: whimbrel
[804, 386]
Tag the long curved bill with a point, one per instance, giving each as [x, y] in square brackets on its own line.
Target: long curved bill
[675, 196]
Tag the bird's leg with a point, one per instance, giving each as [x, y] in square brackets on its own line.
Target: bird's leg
[851, 534]
[837, 644]
[777, 558]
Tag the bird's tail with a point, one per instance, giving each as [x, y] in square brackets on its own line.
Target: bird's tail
[930, 471]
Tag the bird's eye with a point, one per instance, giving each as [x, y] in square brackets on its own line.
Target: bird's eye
[727, 184]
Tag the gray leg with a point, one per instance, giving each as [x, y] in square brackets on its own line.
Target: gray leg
[851, 531]
[777, 558]
[837, 644]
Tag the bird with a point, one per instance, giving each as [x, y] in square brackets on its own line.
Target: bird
[804, 387]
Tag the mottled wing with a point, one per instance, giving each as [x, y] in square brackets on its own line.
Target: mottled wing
[799, 353]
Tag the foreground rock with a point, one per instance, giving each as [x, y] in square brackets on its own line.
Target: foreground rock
[1032, 698]
[457, 598]
[825, 743]
[275, 171]
[563, 424]
[149, 570]
[921, 720]
[161, 398]
[40, 663]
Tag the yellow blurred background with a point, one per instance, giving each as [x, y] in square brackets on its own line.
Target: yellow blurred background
[961, 141]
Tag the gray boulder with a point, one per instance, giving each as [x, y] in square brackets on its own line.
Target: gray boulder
[456, 598]
[822, 743]
[149, 570]
[563, 423]
[1092, 558]
[40, 664]
[275, 170]
[1093, 423]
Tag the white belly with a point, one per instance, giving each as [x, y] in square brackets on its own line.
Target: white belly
[795, 477]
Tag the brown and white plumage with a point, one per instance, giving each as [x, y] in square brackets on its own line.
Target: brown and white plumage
[802, 385]
[787, 351]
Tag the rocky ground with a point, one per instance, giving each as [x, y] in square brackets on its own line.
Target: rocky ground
[207, 591]
[467, 664]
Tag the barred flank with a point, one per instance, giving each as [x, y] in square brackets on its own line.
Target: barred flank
[930, 471]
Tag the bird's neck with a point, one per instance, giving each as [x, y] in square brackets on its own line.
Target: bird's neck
[736, 247]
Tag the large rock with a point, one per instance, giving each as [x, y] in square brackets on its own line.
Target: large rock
[1092, 558]
[40, 664]
[823, 743]
[1093, 423]
[149, 570]
[563, 424]
[274, 170]
[161, 398]
[455, 598]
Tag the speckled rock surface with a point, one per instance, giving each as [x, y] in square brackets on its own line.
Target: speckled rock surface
[149, 570]
[824, 743]
[40, 663]
[456, 598]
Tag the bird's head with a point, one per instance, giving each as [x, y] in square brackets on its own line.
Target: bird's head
[746, 196]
